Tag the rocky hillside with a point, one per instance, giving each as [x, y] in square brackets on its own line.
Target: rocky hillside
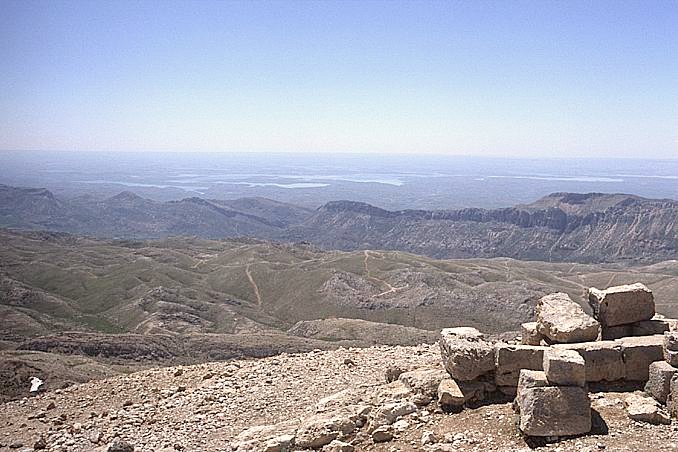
[256, 404]
[562, 227]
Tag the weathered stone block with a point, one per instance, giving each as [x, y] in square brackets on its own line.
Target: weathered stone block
[645, 409]
[672, 402]
[449, 394]
[510, 359]
[528, 379]
[465, 353]
[650, 327]
[610, 333]
[562, 320]
[638, 353]
[671, 341]
[530, 335]
[555, 411]
[659, 381]
[564, 367]
[621, 305]
[603, 359]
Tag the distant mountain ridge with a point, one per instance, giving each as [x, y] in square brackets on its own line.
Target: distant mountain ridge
[581, 227]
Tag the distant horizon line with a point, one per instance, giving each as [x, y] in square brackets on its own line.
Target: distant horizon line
[333, 153]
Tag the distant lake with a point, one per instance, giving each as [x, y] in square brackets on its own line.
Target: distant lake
[389, 181]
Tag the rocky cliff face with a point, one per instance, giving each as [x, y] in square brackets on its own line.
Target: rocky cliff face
[560, 227]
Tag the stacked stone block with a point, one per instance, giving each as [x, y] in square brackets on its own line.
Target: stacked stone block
[554, 402]
[562, 351]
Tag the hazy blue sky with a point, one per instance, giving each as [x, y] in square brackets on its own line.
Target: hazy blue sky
[515, 78]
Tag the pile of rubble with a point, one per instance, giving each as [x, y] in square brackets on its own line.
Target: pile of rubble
[566, 349]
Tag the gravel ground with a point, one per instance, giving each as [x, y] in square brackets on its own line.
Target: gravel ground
[203, 407]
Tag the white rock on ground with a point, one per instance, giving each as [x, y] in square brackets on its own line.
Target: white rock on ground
[561, 320]
[621, 305]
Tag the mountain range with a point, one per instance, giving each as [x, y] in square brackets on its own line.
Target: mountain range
[561, 227]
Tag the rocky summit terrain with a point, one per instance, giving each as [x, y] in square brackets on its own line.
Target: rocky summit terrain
[257, 404]
[561, 227]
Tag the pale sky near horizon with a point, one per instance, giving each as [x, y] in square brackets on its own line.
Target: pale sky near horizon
[519, 78]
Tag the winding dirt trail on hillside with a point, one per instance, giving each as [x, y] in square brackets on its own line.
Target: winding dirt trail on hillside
[368, 275]
[254, 284]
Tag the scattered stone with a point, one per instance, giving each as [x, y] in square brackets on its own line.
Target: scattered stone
[465, 353]
[120, 446]
[450, 395]
[392, 373]
[349, 362]
[338, 446]
[530, 335]
[621, 305]
[645, 409]
[564, 367]
[638, 353]
[50, 406]
[424, 382]
[561, 320]
[603, 359]
[510, 359]
[382, 434]
[323, 428]
[387, 414]
[428, 437]
[280, 443]
[555, 411]
[40, 444]
[178, 372]
[659, 381]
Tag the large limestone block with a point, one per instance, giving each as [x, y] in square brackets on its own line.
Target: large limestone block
[465, 353]
[528, 379]
[622, 304]
[638, 353]
[562, 320]
[671, 348]
[651, 327]
[510, 359]
[564, 367]
[555, 411]
[450, 395]
[672, 402]
[603, 359]
[529, 334]
[659, 381]
[610, 333]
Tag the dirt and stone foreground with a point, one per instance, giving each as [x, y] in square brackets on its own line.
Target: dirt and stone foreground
[383, 398]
